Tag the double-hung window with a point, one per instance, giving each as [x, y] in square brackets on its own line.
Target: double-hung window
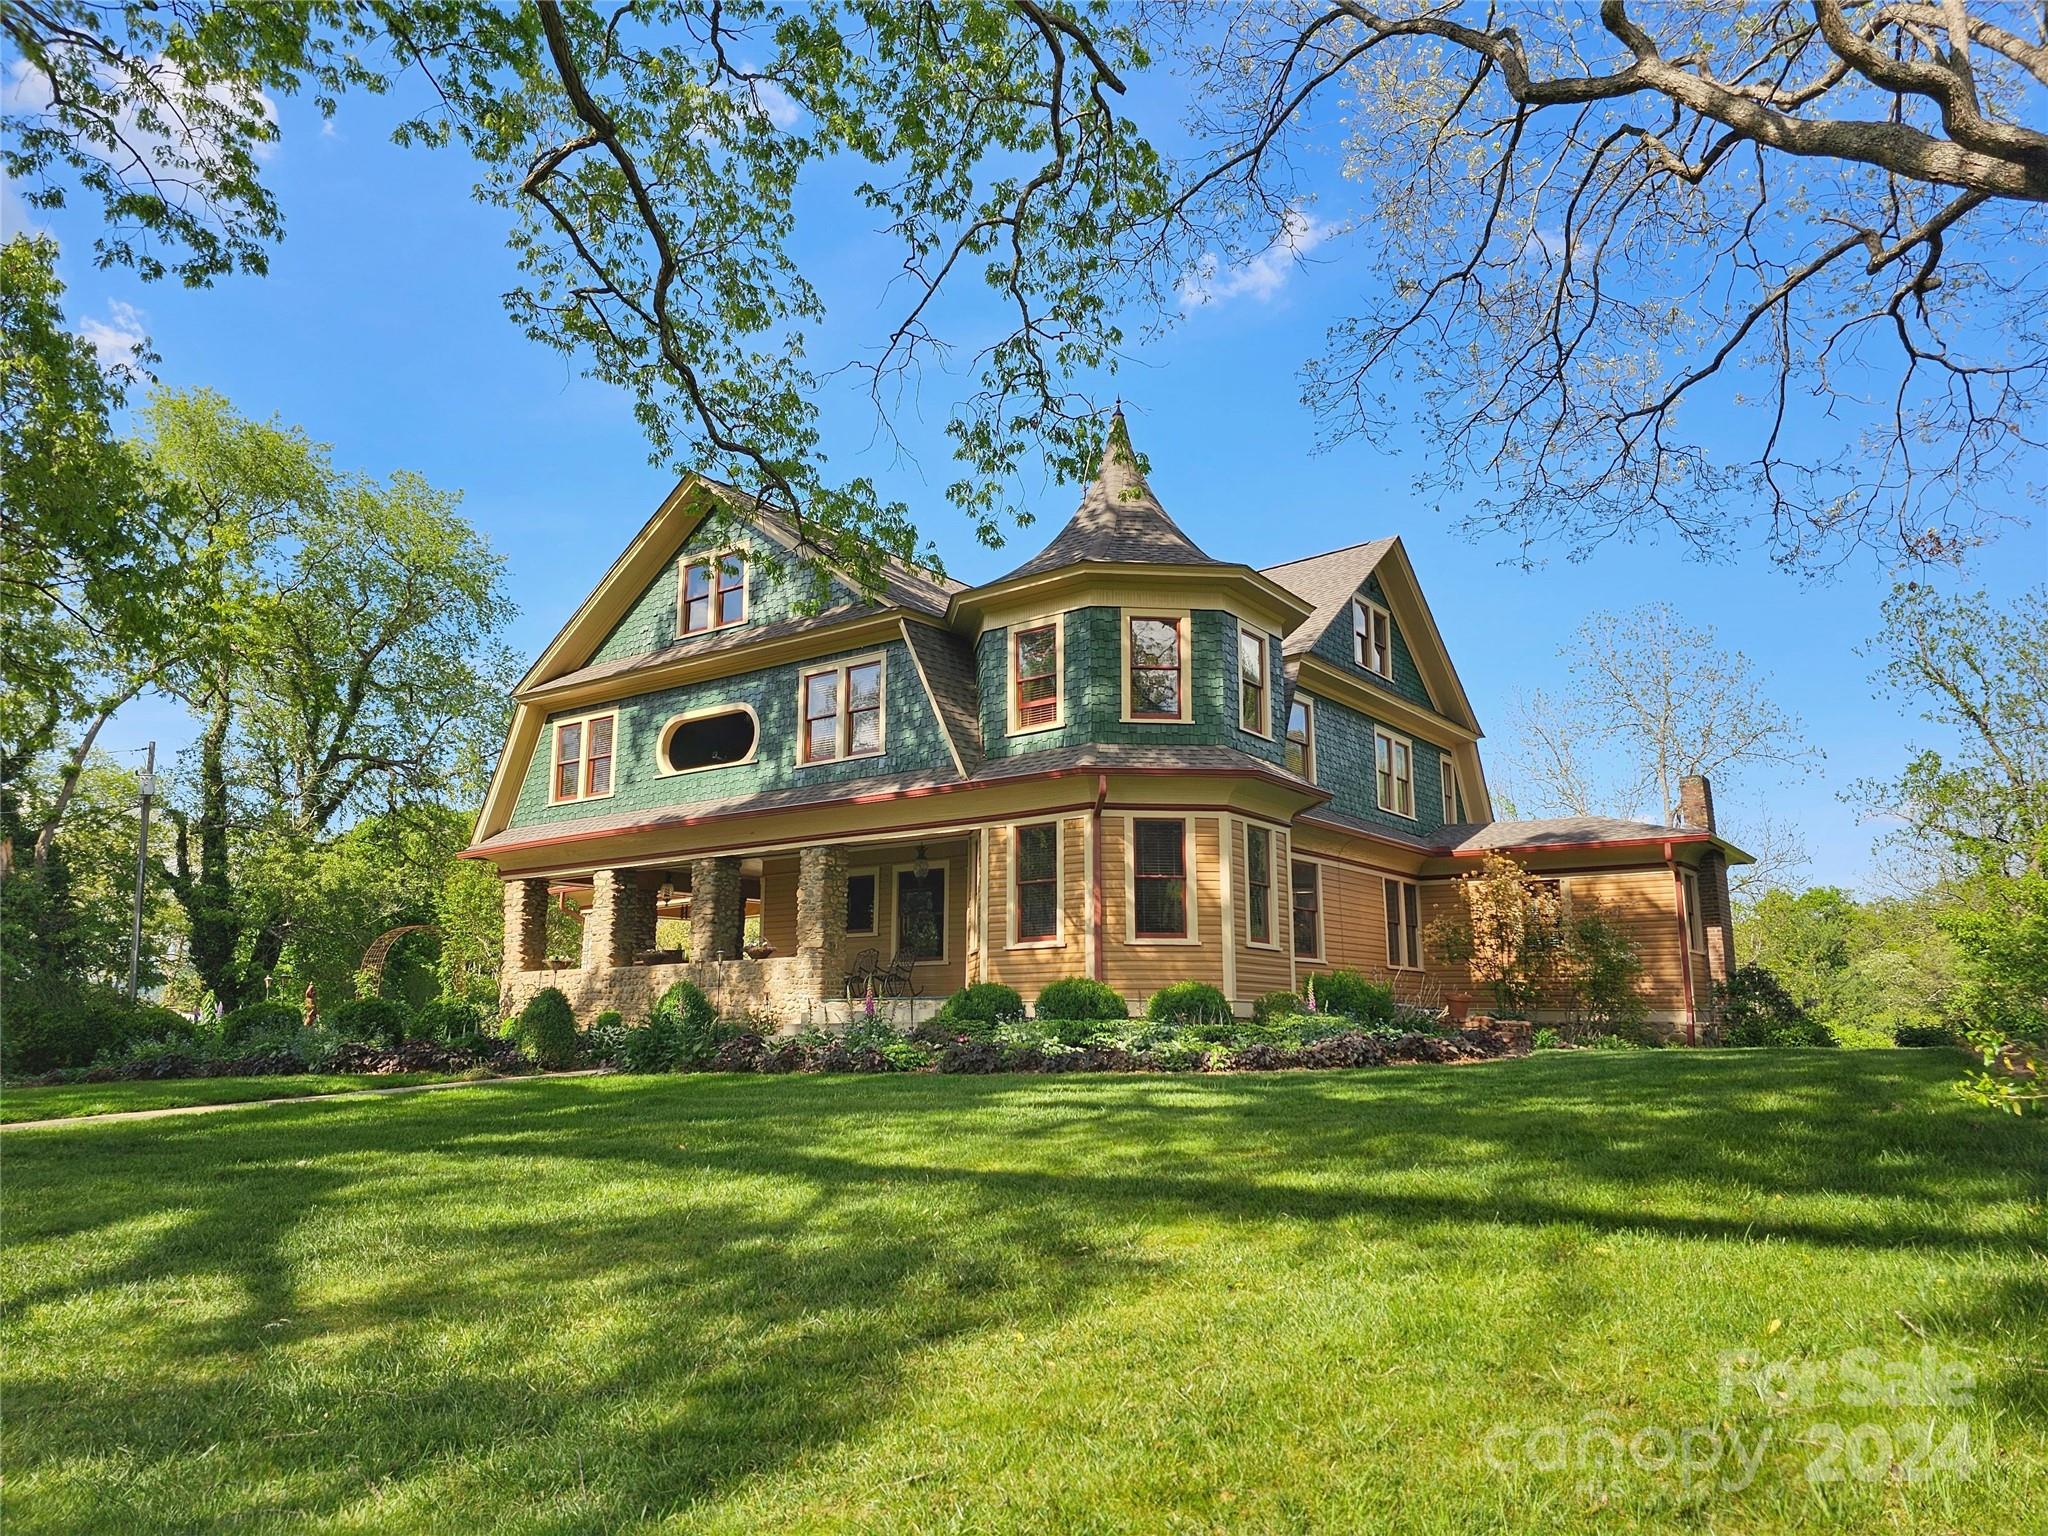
[1301, 737]
[1153, 688]
[1035, 677]
[841, 710]
[1037, 883]
[1695, 916]
[1394, 766]
[583, 759]
[714, 593]
[1373, 632]
[1447, 771]
[860, 904]
[1404, 924]
[1258, 870]
[1159, 875]
[1307, 883]
[1251, 683]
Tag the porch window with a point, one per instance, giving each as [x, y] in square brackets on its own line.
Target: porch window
[921, 913]
[1373, 632]
[1404, 924]
[1038, 882]
[1301, 737]
[1447, 771]
[1307, 882]
[1251, 683]
[1034, 666]
[842, 711]
[1155, 675]
[714, 593]
[1395, 758]
[1160, 873]
[860, 904]
[1258, 865]
[583, 758]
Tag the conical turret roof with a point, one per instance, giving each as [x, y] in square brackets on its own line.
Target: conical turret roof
[1119, 520]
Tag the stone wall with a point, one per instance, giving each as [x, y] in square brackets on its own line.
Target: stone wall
[792, 989]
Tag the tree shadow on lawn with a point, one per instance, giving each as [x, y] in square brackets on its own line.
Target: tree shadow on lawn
[632, 1295]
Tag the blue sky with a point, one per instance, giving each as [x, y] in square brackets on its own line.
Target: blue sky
[379, 329]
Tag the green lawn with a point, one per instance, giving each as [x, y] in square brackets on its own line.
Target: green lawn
[1340, 1301]
[72, 1099]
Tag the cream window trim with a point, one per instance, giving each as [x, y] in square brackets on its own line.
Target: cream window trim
[1057, 622]
[1368, 619]
[1183, 620]
[555, 730]
[1194, 933]
[1272, 886]
[1393, 739]
[1410, 956]
[1263, 727]
[1319, 955]
[1307, 701]
[715, 560]
[1058, 939]
[844, 730]
[669, 727]
[1695, 914]
[875, 932]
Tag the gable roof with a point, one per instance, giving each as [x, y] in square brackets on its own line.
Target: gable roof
[1119, 520]
[1328, 581]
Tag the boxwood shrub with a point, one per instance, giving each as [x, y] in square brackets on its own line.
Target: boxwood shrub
[1081, 998]
[1275, 1005]
[372, 1020]
[986, 1004]
[545, 1030]
[1189, 1003]
[251, 1019]
[1348, 993]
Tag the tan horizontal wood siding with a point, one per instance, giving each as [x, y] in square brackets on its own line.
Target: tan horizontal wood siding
[933, 978]
[1029, 967]
[1260, 969]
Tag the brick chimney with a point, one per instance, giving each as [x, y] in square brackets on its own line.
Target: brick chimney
[1696, 803]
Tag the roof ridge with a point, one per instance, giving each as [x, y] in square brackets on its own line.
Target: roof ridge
[1342, 549]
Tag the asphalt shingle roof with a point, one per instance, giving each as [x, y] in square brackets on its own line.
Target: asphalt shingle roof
[948, 663]
[1328, 581]
[1119, 520]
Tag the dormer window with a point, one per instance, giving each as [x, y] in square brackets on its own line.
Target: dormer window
[1373, 631]
[1035, 657]
[582, 759]
[714, 592]
[1155, 663]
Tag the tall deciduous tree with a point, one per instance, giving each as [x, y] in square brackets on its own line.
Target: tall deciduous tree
[1582, 221]
[1648, 700]
[344, 661]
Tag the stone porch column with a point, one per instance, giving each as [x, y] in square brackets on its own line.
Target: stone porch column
[718, 910]
[821, 911]
[526, 926]
[621, 921]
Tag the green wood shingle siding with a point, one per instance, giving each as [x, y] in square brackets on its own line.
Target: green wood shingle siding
[1345, 766]
[1336, 645]
[652, 621]
[1092, 687]
[912, 741]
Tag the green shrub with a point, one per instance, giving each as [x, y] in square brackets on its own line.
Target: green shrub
[1274, 1005]
[1605, 1042]
[452, 1020]
[605, 1039]
[1189, 1003]
[546, 1030]
[48, 1025]
[1081, 998]
[1756, 1010]
[266, 1018]
[1546, 1039]
[1922, 1035]
[986, 1003]
[651, 1045]
[372, 1020]
[1348, 993]
[1861, 1037]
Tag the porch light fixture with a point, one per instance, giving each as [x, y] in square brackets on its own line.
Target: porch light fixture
[668, 887]
[919, 864]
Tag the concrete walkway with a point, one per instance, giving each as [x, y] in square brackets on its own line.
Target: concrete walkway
[295, 1098]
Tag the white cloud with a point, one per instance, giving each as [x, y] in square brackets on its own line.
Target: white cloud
[26, 90]
[116, 337]
[1263, 276]
[776, 104]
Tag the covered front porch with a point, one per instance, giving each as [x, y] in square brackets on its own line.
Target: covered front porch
[796, 937]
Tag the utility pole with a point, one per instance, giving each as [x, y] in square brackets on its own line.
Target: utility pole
[141, 873]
